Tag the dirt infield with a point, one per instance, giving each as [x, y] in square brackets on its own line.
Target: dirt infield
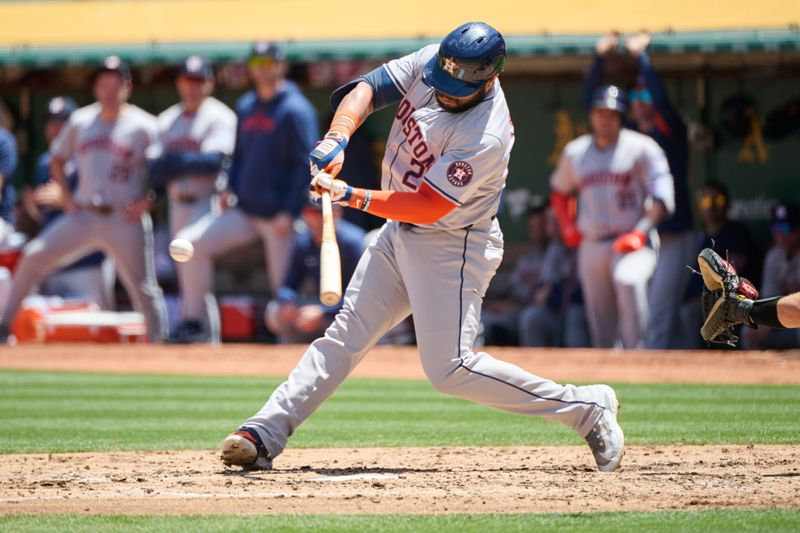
[406, 480]
[403, 362]
[403, 480]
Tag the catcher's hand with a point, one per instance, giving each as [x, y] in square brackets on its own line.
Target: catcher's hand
[727, 298]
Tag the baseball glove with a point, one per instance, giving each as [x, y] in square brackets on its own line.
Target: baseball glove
[727, 299]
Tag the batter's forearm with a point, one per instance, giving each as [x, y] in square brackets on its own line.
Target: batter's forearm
[59, 176]
[425, 206]
[358, 104]
[57, 173]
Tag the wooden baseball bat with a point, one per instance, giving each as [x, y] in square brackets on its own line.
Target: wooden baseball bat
[330, 265]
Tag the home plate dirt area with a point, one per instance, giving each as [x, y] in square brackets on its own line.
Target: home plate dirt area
[407, 480]
[403, 480]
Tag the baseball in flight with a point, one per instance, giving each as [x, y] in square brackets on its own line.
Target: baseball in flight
[181, 250]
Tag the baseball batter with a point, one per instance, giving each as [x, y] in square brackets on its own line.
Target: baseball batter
[196, 136]
[108, 211]
[443, 173]
[624, 189]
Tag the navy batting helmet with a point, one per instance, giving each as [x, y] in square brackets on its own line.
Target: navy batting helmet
[468, 57]
[60, 108]
[609, 97]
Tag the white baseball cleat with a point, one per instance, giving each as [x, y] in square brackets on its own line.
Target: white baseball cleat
[606, 439]
[243, 448]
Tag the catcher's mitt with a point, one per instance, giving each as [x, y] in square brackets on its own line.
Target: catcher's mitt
[727, 298]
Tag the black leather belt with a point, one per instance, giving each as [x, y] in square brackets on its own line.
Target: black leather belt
[98, 209]
[183, 198]
[605, 238]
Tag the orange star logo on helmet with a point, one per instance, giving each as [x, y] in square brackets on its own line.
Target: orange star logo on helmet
[450, 65]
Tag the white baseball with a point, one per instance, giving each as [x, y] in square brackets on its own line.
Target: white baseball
[181, 250]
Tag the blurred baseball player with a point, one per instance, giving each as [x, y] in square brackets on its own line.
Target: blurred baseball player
[653, 114]
[8, 203]
[443, 173]
[109, 209]
[8, 196]
[624, 190]
[196, 136]
[268, 178]
[781, 275]
[91, 277]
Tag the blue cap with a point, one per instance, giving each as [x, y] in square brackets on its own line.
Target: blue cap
[468, 57]
[196, 67]
[269, 49]
[116, 65]
[60, 108]
[785, 217]
[609, 97]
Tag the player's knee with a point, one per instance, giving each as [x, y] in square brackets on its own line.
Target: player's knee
[444, 384]
[33, 257]
[275, 320]
[445, 379]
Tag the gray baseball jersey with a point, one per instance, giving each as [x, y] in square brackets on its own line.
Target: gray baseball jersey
[613, 184]
[110, 156]
[211, 129]
[463, 156]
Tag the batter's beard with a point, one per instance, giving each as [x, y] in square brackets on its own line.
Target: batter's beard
[472, 101]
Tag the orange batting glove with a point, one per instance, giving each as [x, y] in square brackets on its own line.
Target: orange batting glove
[571, 236]
[630, 242]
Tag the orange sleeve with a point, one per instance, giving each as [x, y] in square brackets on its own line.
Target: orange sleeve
[564, 208]
[425, 206]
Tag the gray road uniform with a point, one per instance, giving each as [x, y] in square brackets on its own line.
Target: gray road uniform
[438, 272]
[111, 159]
[212, 128]
[614, 186]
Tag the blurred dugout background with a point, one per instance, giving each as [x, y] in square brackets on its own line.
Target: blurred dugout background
[733, 71]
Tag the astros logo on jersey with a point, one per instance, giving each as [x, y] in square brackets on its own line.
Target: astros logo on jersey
[459, 173]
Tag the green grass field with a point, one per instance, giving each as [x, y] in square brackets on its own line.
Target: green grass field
[65, 412]
[775, 520]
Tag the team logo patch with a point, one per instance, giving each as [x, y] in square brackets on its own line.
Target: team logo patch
[459, 173]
